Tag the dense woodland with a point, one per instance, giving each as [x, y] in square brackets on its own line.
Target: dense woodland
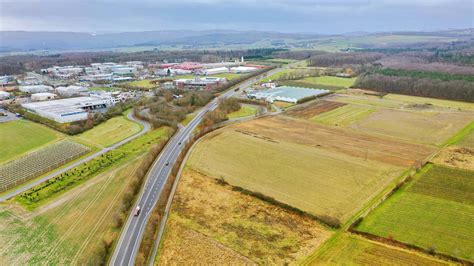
[452, 90]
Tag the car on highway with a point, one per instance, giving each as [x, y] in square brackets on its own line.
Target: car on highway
[137, 211]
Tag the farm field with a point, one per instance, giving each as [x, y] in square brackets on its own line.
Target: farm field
[68, 230]
[435, 102]
[313, 108]
[146, 83]
[343, 116]
[454, 156]
[350, 142]
[346, 249]
[21, 136]
[435, 211]
[243, 112]
[54, 187]
[39, 162]
[211, 223]
[111, 131]
[286, 171]
[426, 127]
[330, 81]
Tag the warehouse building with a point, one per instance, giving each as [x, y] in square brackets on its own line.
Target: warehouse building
[285, 94]
[199, 83]
[43, 96]
[68, 110]
[4, 95]
[243, 69]
[70, 91]
[35, 88]
[214, 71]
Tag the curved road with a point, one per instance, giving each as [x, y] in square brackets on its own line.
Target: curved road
[131, 236]
[146, 128]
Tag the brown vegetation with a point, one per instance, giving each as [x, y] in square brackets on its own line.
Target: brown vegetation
[349, 142]
[314, 108]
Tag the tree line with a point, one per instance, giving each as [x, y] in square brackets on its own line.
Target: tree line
[458, 90]
[342, 59]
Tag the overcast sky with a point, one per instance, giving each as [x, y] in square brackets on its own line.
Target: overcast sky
[319, 16]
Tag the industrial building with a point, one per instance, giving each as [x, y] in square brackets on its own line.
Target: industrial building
[68, 110]
[199, 83]
[243, 69]
[70, 91]
[214, 71]
[43, 96]
[35, 88]
[285, 94]
[4, 95]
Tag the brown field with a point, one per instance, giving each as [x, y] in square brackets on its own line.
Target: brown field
[337, 139]
[314, 108]
[211, 223]
[187, 246]
[456, 157]
[431, 127]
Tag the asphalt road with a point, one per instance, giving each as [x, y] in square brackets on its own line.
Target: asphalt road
[130, 239]
[12, 193]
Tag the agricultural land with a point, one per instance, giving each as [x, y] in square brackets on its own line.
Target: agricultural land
[280, 147]
[21, 136]
[347, 249]
[232, 228]
[69, 229]
[111, 131]
[435, 211]
[244, 111]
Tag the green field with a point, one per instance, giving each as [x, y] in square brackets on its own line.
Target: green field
[304, 176]
[433, 127]
[347, 249]
[54, 187]
[70, 230]
[243, 112]
[330, 81]
[343, 116]
[435, 102]
[435, 211]
[21, 136]
[111, 131]
[146, 83]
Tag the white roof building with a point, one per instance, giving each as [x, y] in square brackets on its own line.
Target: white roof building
[68, 110]
[213, 71]
[35, 88]
[4, 95]
[43, 96]
[243, 69]
[71, 91]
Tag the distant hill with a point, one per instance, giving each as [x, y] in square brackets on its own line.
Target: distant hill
[15, 41]
[24, 41]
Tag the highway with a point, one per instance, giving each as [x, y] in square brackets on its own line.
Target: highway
[130, 239]
[21, 189]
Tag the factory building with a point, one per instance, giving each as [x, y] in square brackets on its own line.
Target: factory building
[68, 110]
[35, 88]
[198, 83]
[214, 71]
[243, 69]
[70, 91]
[4, 95]
[43, 96]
